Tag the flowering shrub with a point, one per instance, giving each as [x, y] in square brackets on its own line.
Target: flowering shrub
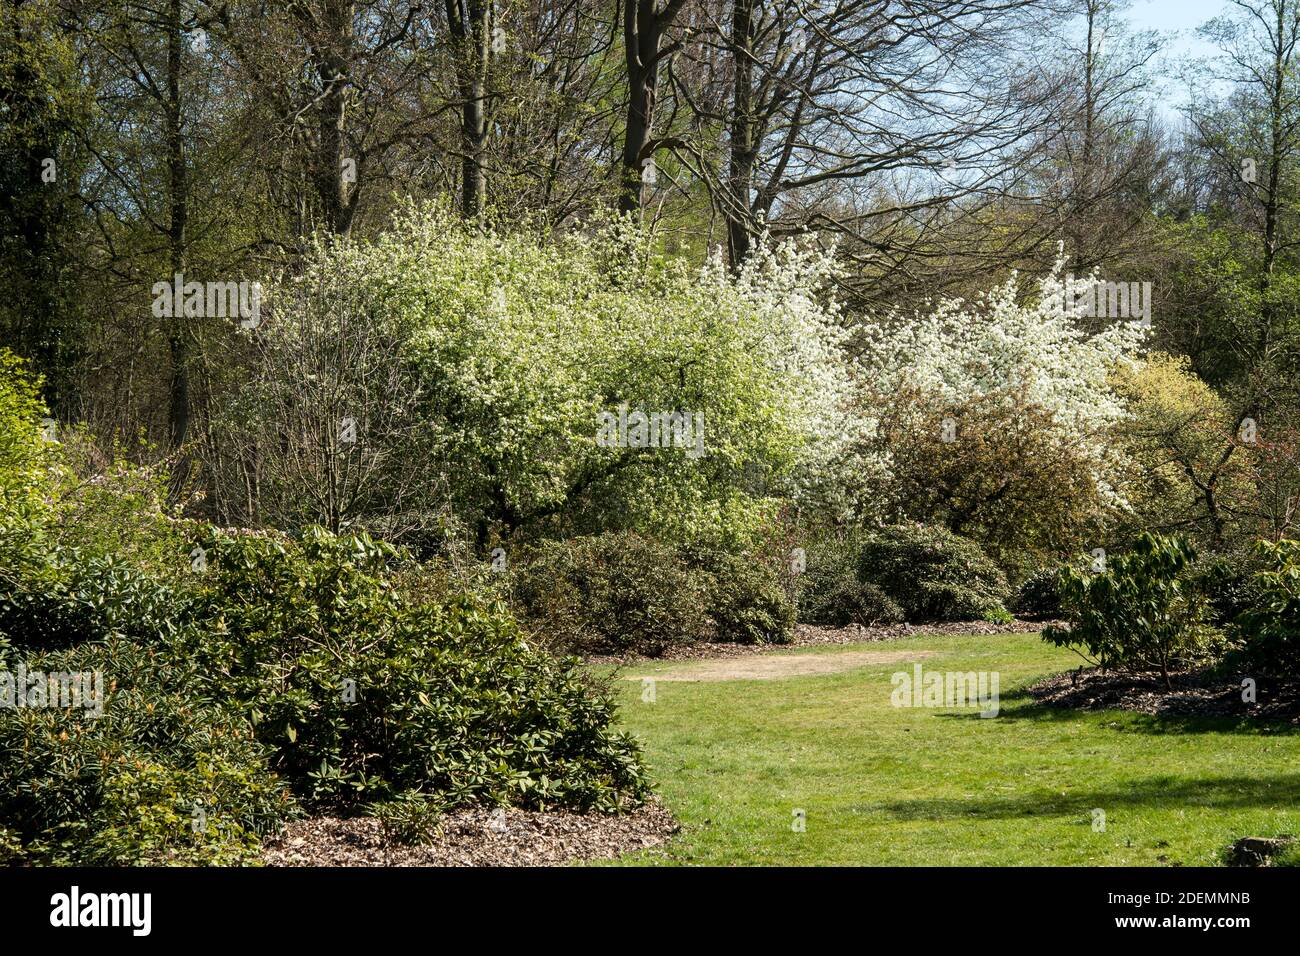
[998, 360]
[513, 349]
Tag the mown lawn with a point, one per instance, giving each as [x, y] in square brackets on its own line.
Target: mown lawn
[881, 785]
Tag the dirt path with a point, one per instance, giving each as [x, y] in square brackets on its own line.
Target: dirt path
[813, 635]
[776, 666]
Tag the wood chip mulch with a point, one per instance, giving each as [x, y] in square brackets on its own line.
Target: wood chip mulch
[474, 837]
[812, 635]
[1194, 694]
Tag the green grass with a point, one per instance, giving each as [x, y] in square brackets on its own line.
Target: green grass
[913, 786]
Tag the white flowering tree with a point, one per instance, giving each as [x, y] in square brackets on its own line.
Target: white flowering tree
[512, 350]
[999, 413]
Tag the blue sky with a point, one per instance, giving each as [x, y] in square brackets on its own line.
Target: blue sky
[1178, 20]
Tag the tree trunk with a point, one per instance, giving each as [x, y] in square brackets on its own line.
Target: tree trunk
[332, 71]
[36, 211]
[177, 200]
[642, 30]
[470, 24]
[743, 146]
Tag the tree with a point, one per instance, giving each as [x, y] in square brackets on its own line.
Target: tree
[1192, 464]
[343, 88]
[878, 121]
[1253, 138]
[1103, 159]
[473, 30]
[646, 46]
[42, 105]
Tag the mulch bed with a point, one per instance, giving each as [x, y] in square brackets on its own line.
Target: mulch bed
[1194, 694]
[474, 837]
[812, 635]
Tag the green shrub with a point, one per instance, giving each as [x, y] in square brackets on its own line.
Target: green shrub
[911, 572]
[249, 673]
[1231, 586]
[933, 574]
[105, 506]
[614, 592]
[1268, 633]
[126, 787]
[161, 777]
[86, 540]
[363, 696]
[829, 579]
[1143, 612]
[11, 847]
[56, 598]
[410, 818]
[745, 601]
[622, 592]
[40, 606]
[1038, 596]
[997, 615]
[830, 591]
[23, 450]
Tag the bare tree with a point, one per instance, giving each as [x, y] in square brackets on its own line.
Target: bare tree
[1254, 136]
[876, 120]
[344, 86]
[328, 427]
[1104, 158]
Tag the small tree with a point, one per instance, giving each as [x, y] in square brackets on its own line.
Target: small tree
[1192, 464]
[1269, 632]
[328, 428]
[1141, 612]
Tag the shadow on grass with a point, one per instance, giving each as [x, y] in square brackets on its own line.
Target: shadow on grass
[1162, 792]
[1019, 705]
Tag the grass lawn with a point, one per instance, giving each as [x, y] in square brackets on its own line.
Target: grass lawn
[881, 785]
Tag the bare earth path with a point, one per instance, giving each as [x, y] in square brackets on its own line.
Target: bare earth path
[775, 666]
